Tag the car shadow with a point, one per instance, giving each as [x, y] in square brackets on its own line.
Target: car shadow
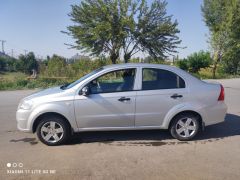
[230, 127]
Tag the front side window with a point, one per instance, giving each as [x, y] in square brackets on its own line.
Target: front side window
[160, 79]
[68, 86]
[115, 81]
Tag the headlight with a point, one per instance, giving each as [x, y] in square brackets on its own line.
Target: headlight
[26, 105]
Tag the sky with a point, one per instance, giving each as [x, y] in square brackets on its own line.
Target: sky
[36, 25]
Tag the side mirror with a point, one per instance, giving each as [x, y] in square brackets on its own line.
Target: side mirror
[85, 91]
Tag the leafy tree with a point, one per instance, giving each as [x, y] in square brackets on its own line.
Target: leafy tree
[82, 66]
[199, 60]
[8, 63]
[222, 18]
[97, 28]
[11, 64]
[27, 63]
[214, 17]
[2, 63]
[232, 52]
[213, 14]
[150, 30]
[56, 66]
[183, 64]
[150, 59]
[112, 26]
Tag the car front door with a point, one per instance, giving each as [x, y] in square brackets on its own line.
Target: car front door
[161, 91]
[110, 103]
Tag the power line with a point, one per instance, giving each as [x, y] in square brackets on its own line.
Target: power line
[3, 41]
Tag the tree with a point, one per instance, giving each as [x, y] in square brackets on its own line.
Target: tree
[97, 28]
[7, 63]
[112, 26]
[215, 17]
[27, 63]
[232, 52]
[56, 66]
[150, 30]
[183, 64]
[2, 63]
[222, 18]
[11, 64]
[199, 60]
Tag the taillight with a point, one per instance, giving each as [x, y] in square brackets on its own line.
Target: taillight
[221, 95]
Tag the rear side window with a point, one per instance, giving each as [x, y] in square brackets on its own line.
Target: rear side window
[160, 79]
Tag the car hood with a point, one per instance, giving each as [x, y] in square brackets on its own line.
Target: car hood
[45, 92]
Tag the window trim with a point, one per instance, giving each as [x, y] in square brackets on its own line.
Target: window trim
[135, 68]
[141, 89]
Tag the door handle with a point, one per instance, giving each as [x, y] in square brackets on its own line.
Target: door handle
[122, 99]
[175, 96]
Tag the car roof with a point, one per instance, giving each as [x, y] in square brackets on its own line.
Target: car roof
[124, 65]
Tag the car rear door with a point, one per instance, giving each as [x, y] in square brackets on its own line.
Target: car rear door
[161, 90]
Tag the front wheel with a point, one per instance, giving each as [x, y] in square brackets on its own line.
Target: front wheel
[53, 131]
[184, 126]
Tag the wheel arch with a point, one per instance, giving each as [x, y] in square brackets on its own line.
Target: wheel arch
[201, 123]
[48, 114]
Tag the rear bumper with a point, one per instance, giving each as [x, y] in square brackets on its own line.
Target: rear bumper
[215, 114]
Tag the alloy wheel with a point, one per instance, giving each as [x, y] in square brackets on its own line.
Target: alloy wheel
[186, 127]
[52, 132]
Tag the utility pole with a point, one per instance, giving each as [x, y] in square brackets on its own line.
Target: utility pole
[12, 53]
[3, 41]
[25, 52]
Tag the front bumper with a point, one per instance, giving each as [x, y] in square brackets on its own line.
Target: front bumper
[22, 120]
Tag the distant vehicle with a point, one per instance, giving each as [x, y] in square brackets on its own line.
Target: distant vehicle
[124, 97]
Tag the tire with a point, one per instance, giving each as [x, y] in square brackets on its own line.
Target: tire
[53, 130]
[185, 126]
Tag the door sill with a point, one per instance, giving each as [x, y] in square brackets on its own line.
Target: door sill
[119, 128]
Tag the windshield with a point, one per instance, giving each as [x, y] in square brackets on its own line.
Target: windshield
[68, 86]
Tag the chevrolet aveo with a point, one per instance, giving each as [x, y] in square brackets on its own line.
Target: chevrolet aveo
[124, 97]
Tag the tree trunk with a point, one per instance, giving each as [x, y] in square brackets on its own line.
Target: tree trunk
[236, 65]
[127, 57]
[214, 70]
[218, 59]
[114, 56]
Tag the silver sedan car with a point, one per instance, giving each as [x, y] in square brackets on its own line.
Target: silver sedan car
[124, 97]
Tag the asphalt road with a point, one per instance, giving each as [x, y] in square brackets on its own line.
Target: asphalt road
[215, 154]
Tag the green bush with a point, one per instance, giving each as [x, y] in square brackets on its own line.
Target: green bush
[27, 63]
[183, 64]
[195, 62]
[32, 83]
[57, 70]
[199, 60]
[56, 66]
[21, 83]
[3, 64]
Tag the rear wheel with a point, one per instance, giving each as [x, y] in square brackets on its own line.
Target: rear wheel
[53, 131]
[185, 126]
